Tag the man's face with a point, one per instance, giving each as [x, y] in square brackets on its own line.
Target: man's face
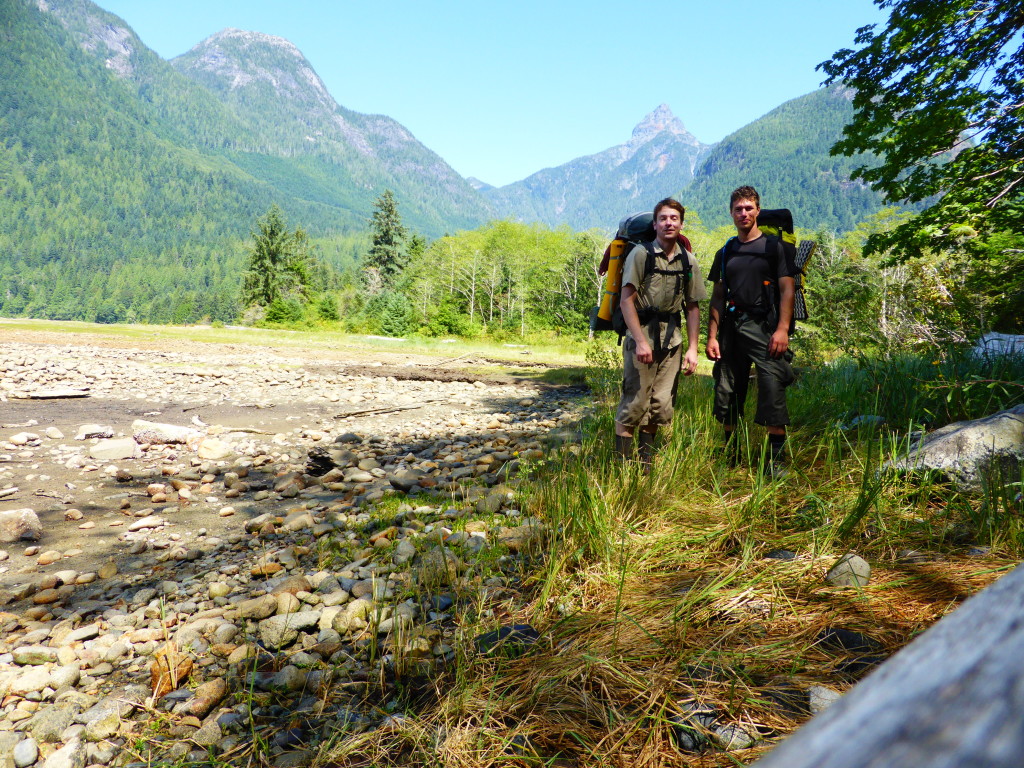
[744, 214]
[667, 224]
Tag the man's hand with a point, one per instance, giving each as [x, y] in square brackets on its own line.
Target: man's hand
[690, 361]
[779, 343]
[644, 353]
[712, 350]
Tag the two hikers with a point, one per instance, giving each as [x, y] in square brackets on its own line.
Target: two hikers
[750, 320]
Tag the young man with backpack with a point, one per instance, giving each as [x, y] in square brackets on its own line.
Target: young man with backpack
[749, 322]
[661, 284]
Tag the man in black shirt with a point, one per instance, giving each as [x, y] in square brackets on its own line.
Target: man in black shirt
[749, 322]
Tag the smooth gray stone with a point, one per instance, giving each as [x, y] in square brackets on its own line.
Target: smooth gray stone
[26, 752]
[971, 453]
[850, 571]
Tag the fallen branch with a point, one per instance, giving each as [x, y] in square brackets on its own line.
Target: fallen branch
[216, 429]
[384, 409]
[48, 495]
[454, 359]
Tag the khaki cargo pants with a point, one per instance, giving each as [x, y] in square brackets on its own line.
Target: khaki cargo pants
[647, 388]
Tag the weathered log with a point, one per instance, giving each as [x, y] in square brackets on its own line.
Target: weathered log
[49, 394]
[953, 698]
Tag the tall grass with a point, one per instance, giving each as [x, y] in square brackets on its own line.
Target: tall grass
[910, 389]
[654, 595]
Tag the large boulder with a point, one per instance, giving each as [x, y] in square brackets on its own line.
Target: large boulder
[970, 453]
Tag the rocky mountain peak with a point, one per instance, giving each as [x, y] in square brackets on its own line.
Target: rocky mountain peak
[98, 32]
[234, 59]
[661, 120]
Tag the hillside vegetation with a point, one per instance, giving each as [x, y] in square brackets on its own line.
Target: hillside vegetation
[128, 189]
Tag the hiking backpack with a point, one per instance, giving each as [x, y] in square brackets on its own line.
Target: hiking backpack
[777, 225]
[634, 230]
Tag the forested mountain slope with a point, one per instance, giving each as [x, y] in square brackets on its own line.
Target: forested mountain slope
[127, 187]
[785, 155]
[309, 145]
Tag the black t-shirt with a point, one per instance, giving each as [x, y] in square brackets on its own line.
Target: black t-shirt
[749, 267]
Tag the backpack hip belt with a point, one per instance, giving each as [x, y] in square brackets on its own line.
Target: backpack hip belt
[652, 318]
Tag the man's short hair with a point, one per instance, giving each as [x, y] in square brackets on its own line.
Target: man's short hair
[670, 202]
[744, 193]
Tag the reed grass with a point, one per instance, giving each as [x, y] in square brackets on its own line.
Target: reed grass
[654, 594]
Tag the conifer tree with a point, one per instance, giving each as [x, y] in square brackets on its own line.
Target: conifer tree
[279, 261]
[387, 256]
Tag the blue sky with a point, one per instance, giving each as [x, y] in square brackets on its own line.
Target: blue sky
[503, 89]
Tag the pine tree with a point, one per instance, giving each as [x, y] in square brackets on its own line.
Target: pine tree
[279, 262]
[387, 256]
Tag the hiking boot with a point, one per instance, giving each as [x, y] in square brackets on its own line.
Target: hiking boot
[775, 469]
[624, 447]
[732, 455]
[646, 451]
[731, 452]
[775, 462]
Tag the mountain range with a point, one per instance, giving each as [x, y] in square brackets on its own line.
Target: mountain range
[129, 181]
[659, 159]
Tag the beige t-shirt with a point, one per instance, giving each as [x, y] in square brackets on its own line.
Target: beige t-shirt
[660, 291]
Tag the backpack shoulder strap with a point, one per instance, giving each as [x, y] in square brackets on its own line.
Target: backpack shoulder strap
[651, 256]
[686, 273]
[729, 247]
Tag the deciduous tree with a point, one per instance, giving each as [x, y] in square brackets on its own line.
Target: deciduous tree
[939, 98]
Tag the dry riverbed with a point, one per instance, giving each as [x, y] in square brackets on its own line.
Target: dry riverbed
[234, 541]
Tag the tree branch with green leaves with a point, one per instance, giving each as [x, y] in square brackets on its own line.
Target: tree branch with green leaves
[939, 98]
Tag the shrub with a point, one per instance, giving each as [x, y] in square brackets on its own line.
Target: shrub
[284, 311]
[327, 308]
[448, 320]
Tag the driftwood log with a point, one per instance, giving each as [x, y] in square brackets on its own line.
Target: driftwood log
[953, 698]
[49, 394]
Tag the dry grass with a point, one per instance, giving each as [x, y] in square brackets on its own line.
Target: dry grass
[655, 595]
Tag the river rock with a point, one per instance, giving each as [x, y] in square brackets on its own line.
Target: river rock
[438, 568]
[25, 753]
[17, 524]
[156, 433]
[34, 655]
[49, 723]
[821, 698]
[215, 450]
[406, 480]
[71, 755]
[280, 631]
[206, 697]
[850, 571]
[995, 345]
[115, 449]
[89, 431]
